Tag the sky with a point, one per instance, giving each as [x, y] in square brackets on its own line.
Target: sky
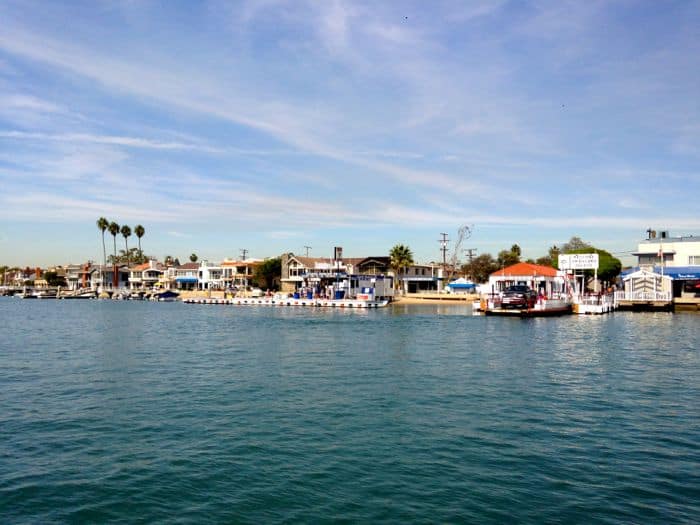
[272, 126]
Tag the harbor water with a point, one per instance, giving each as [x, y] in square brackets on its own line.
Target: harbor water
[121, 412]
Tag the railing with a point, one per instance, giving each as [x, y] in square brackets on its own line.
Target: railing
[598, 299]
[643, 296]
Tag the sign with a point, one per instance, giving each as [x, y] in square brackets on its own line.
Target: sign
[578, 261]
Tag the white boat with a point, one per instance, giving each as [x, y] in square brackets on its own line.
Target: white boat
[549, 291]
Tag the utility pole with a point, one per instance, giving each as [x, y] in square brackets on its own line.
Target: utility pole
[307, 248]
[471, 253]
[244, 252]
[443, 248]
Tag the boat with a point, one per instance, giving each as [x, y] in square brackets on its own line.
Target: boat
[545, 292]
[46, 294]
[166, 296]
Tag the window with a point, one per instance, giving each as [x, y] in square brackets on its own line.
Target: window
[694, 260]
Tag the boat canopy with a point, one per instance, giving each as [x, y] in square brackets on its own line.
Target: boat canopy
[461, 284]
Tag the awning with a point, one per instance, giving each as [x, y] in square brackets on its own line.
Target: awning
[681, 273]
[187, 279]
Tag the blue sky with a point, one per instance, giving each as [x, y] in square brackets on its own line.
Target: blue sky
[273, 125]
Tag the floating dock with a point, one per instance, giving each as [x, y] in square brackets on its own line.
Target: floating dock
[290, 301]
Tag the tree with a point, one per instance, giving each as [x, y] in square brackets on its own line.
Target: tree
[481, 267]
[168, 260]
[126, 233]
[113, 229]
[515, 249]
[194, 257]
[609, 267]
[401, 258]
[551, 259]
[132, 255]
[267, 272]
[53, 279]
[139, 231]
[102, 225]
[3, 271]
[508, 257]
[574, 244]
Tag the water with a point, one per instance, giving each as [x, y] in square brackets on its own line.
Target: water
[142, 412]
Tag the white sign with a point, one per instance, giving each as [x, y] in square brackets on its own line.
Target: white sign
[578, 261]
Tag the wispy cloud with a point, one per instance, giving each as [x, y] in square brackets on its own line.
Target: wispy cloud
[132, 142]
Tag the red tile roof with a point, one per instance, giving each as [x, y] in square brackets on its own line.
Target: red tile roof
[524, 269]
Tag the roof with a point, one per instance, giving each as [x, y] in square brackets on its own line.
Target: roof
[188, 266]
[248, 262]
[140, 267]
[523, 269]
[668, 240]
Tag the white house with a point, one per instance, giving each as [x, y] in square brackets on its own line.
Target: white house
[674, 260]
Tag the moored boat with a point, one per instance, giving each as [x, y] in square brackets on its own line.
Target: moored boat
[528, 290]
[166, 296]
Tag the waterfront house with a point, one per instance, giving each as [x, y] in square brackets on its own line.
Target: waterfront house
[347, 275]
[103, 277]
[145, 276]
[238, 274]
[418, 278]
[73, 276]
[184, 277]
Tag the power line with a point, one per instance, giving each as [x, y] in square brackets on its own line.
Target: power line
[307, 248]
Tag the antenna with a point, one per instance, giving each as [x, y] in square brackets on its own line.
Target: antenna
[307, 248]
[244, 252]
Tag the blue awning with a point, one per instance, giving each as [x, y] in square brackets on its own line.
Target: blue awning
[187, 279]
[681, 273]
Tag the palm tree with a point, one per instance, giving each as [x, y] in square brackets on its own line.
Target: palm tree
[113, 229]
[194, 257]
[139, 231]
[102, 225]
[400, 258]
[126, 232]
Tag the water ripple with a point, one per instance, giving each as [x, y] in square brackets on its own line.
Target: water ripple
[126, 412]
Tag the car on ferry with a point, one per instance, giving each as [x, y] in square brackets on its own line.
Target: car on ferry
[518, 296]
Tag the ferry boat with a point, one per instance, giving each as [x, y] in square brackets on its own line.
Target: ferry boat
[545, 292]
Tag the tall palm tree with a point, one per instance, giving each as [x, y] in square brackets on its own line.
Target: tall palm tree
[139, 231]
[102, 225]
[113, 229]
[400, 258]
[126, 232]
